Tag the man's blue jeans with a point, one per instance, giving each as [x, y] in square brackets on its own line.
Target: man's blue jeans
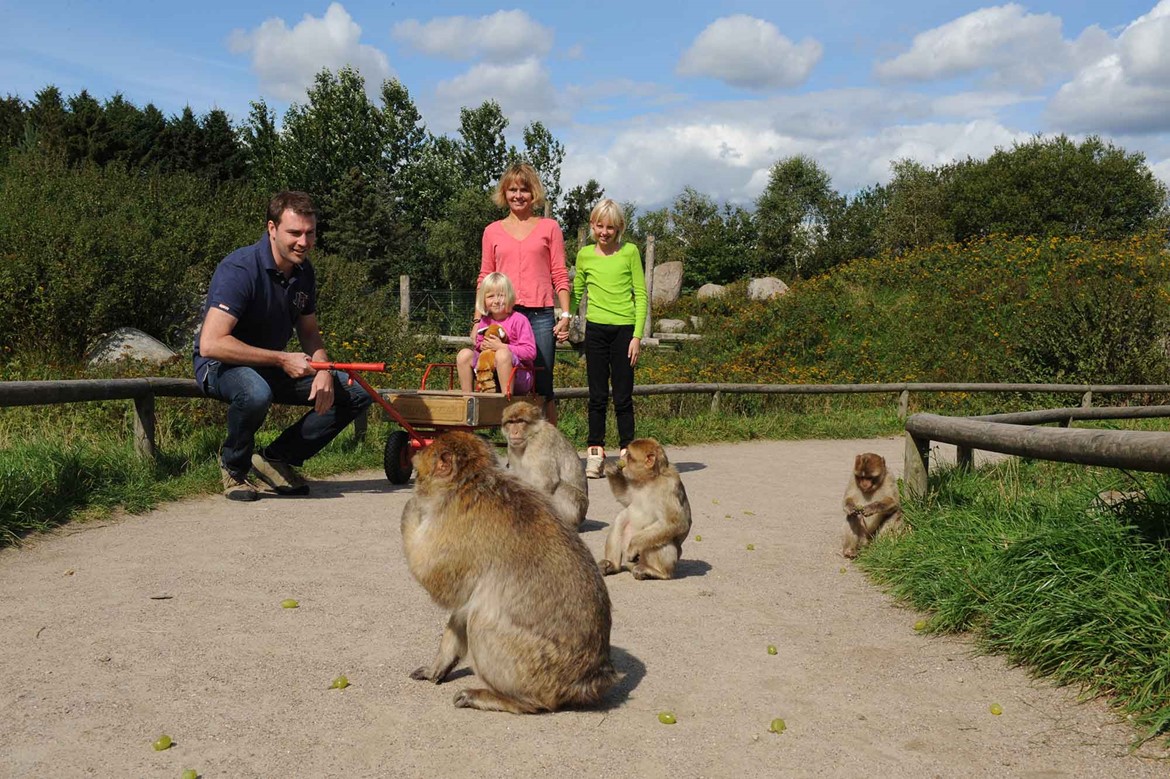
[250, 391]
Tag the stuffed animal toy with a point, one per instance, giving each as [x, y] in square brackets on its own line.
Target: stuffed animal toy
[485, 366]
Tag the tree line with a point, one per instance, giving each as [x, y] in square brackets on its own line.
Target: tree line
[397, 198]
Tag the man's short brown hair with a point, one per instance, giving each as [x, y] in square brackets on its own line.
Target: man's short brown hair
[290, 200]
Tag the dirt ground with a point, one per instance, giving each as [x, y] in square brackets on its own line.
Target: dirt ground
[114, 633]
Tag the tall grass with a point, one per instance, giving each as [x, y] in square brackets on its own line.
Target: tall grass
[1038, 568]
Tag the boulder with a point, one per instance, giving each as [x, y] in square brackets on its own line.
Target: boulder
[670, 326]
[126, 343]
[708, 291]
[696, 323]
[668, 278]
[766, 288]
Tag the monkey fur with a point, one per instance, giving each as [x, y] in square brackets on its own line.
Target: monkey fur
[540, 456]
[647, 536]
[529, 609]
[871, 504]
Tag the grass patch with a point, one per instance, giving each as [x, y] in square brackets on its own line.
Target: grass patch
[1026, 558]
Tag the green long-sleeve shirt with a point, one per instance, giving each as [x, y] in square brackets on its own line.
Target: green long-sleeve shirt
[616, 286]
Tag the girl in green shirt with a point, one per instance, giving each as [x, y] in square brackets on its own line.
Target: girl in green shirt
[610, 271]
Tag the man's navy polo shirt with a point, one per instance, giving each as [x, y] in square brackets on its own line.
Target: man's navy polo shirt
[266, 305]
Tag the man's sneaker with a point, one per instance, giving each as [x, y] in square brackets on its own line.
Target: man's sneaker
[281, 477]
[595, 463]
[237, 487]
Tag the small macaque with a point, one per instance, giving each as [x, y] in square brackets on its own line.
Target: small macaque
[647, 536]
[485, 366]
[529, 609]
[871, 503]
[540, 456]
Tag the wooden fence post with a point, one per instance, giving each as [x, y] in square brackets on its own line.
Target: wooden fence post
[144, 426]
[903, 404]
[915, 465]
[965, 457]
[649, 285]
[1087, 399]
[715, 398]
[404, 298]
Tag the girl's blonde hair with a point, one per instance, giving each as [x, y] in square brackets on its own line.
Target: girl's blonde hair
[610, 211]
[494, 282]
[521, 173]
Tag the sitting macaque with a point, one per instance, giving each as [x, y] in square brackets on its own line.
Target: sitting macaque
[485, 366]
[543, 458]
[647, 536]
[529, 609]
[871, 503]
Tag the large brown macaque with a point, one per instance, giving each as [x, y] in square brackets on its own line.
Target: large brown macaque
[871, 503]
[647, 536]
[542, 457]
[529, 609]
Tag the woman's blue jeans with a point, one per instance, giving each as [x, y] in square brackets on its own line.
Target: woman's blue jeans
[542, 321]
[250, 391]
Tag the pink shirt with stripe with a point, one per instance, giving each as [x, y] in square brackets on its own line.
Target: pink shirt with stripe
[535, 265]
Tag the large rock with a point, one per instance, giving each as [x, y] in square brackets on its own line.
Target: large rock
[766, 288]
[670, 326]
[668, 278]
[708, 291]
[126, 343]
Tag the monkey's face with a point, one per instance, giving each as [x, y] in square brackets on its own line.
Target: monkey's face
[516, 431]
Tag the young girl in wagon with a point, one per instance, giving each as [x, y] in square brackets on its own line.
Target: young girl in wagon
[493, 304]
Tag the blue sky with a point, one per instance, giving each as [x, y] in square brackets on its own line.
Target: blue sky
[649, 97]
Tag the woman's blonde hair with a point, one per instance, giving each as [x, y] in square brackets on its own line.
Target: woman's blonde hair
[610, 211]
[522, 173]
[494, 282]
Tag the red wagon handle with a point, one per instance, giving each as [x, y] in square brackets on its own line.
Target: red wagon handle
[377, 367]
[353, 368]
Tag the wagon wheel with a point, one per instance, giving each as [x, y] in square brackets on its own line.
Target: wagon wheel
[397, 457]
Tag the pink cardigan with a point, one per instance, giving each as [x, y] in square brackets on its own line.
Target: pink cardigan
[535, 266]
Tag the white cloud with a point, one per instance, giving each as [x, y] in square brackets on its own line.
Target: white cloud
[728, 150]
[505, 36]
[524, 91]
[1008, 44]
[744, 51]
[286, 60]
[1103, 99]
[1127, 91]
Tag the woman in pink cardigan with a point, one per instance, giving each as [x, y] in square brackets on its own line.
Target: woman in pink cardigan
[530, 250]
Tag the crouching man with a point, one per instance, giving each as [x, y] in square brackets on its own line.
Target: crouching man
[257, 296]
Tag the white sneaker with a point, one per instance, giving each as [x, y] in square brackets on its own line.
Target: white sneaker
[595, 462]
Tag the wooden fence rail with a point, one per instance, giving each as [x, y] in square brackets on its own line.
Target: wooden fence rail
[143, 392]
[1009, 434]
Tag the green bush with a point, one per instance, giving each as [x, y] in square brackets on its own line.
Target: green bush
[90, 249]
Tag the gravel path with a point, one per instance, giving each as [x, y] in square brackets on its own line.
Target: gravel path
[114, 633]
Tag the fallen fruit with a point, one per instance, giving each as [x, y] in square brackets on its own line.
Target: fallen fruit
[340, 683]
[751, 547]
[920, 625]
[772, 649]
[190, 773]
[698, 538]
[289, 604]
[162, 742]
[844, 569]
[996, 709]
[777, 726]
[666, 718]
